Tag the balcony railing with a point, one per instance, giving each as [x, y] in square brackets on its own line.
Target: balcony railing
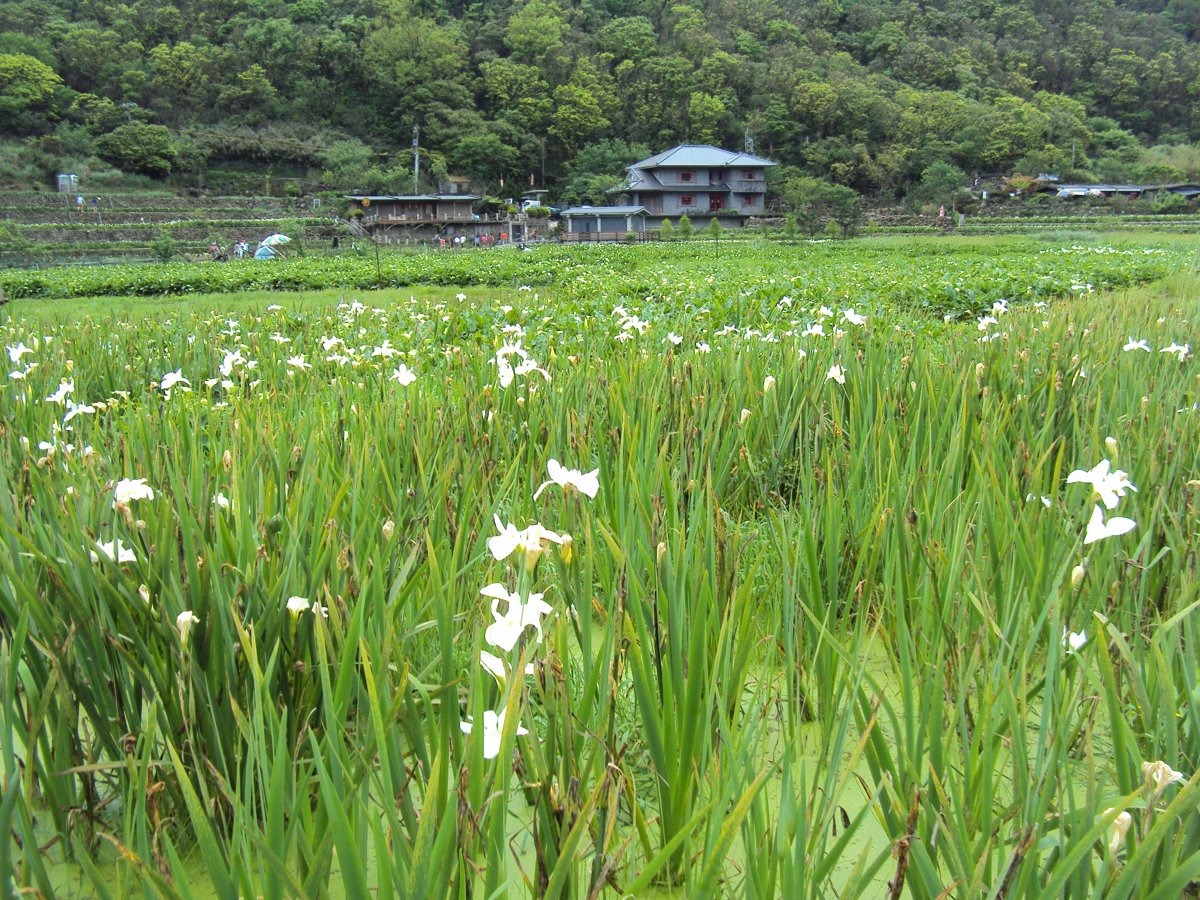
[415, 218]
[745, 186]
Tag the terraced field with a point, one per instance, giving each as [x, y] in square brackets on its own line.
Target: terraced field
[48, 229]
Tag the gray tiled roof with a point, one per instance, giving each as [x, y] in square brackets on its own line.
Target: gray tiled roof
[639, 178]
[701, 156]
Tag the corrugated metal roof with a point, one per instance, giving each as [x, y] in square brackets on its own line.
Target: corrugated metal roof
[701, 156]
[1104, 187]
[374, 198]
[603, 210]
[1080, 190]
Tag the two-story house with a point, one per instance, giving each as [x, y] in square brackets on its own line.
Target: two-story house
[696, 180]
[699, 181]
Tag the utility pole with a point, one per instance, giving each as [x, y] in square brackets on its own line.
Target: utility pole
[416, 157]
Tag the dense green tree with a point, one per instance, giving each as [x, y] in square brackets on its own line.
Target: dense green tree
[27, 88]
[141, 148]
[518, 93]
[1185, 16]
[37, 46]
[1012, 128]
[535, 31]
[418, 69]
[1169, 202]
[845, 208]
[691, 32]
[628, 38]
[349, 163]
[814, 104]
[598, 170]
[583, 107]
[654, 97]
[815, 203]
[940, 183]
[806, 196]
[483, 156]
[87, 57]
[1117, 89]
[182, 76]
[705, 115]
[251, 89]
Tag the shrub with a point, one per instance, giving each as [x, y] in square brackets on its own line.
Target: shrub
[146, 149]
[164, 247]
[1169, 202]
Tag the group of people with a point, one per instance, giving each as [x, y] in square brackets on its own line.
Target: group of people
[237, 250]
[477, 240]
[242, 250]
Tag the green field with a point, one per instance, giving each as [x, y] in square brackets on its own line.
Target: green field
[838, 616]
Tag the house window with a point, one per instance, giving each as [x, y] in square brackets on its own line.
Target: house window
[749, 176]
[687, 200]
[685, 176]
[748, 199]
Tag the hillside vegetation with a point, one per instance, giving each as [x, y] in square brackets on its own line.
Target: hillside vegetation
[890, 98]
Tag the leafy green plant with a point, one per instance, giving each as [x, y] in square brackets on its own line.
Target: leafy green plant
[835, 618]
[164, 247]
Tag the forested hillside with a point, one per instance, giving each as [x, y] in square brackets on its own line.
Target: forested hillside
[867, 93]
